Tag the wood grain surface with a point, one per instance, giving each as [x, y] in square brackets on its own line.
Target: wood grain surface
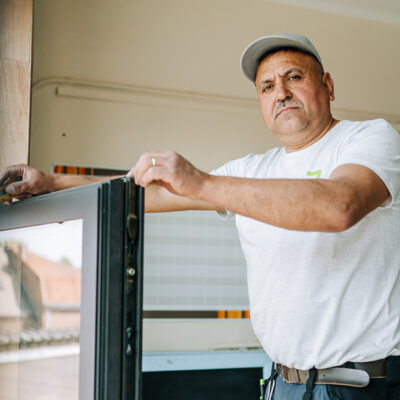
[15, 80]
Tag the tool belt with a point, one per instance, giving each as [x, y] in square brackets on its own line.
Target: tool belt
[349, 374]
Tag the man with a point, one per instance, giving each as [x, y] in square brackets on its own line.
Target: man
[318, 221]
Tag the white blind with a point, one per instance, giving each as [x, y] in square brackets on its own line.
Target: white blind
[193, 261]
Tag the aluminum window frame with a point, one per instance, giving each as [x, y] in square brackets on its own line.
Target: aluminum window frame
[112, 224]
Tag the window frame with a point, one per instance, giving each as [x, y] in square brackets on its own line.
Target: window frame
[112, 248]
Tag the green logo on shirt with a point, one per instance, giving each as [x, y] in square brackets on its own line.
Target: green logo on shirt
[317, 174]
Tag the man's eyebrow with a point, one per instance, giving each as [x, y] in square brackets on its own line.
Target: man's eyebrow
[291, 70]
[286, 73]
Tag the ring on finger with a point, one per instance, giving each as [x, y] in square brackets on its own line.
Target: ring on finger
[153, 161]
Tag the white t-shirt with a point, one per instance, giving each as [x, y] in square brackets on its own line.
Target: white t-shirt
[322, 299]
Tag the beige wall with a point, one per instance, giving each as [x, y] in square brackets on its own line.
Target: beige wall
[119, 78]
[15, 80]
[114, 79]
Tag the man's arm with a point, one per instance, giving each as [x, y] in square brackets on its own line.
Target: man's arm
[159, 199]
[327, 205]
[35, 182]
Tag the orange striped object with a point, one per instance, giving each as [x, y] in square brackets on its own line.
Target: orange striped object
[233, 314]
[88, 171]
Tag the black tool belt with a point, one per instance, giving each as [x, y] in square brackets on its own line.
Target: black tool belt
[349, 374]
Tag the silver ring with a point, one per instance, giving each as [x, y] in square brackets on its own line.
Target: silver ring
[153, 161]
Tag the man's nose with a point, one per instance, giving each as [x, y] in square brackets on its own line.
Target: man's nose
[282, 92]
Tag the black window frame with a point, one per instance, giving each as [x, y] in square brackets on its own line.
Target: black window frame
[112, 212]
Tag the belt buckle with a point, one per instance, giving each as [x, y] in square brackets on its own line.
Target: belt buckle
[342, 376]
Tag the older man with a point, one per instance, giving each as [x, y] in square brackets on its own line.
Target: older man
[319, 224]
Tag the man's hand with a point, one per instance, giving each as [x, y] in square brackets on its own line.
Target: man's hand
[33, 181]
[170, 170]
[36, 182]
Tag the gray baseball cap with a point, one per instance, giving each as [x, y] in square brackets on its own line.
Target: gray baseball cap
[255, 51]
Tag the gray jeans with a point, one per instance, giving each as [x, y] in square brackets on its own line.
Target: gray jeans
[293, 391]
[378, 389]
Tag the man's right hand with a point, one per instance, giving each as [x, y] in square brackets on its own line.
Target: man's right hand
[33, 181]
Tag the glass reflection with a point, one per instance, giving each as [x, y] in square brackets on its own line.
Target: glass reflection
[40, 296]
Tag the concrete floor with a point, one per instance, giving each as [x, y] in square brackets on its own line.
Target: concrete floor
[46, 379]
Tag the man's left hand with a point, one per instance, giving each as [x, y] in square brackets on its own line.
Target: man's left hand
[170, 170]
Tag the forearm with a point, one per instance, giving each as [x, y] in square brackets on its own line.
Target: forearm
[60, 182]
[23, 181]
[307, 205]
[159, 199]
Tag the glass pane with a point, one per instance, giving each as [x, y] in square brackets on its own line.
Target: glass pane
[40, 296]
[193, 262]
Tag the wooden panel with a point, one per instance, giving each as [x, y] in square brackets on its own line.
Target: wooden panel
[15, 78]
[14, 112]
[15, 30]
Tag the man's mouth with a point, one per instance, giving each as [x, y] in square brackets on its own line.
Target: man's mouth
[282, 110]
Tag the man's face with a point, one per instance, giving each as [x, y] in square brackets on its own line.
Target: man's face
[294, 96]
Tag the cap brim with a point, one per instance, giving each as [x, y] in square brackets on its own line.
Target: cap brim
[251, 56]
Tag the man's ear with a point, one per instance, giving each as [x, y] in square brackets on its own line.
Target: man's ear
[329, 85]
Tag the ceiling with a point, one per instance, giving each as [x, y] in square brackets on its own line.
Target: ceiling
[387, 11]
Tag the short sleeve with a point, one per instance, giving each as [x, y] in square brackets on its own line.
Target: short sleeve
[376, 147]
[224, 170]
[234, 168]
